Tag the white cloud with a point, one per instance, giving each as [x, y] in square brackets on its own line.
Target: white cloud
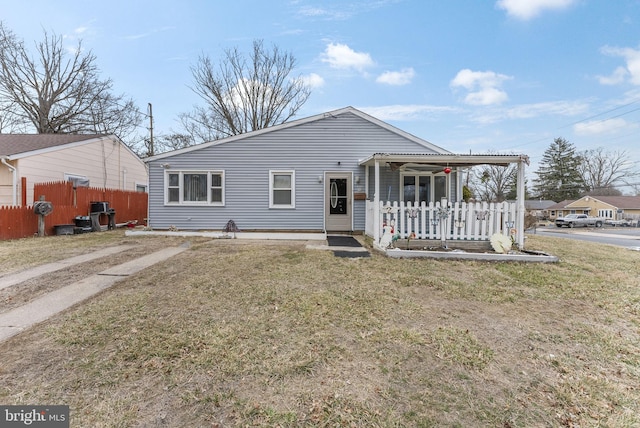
[486, 97]
[528, 9]
[405, 112]
[618, 76]
[600, 126]
[397, 78]
[553, 108]
[318, 12]
[342, 56]
[313, 80]
[529, 111]
[484, 86]
[631, 69]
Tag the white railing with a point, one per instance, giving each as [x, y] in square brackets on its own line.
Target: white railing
[476, 221]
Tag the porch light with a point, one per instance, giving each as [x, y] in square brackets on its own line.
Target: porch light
[319, 179]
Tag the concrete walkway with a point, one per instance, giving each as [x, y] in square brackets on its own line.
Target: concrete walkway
[21, 318]
[17, 278]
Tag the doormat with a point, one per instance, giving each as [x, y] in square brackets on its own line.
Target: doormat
[342, 241]
[351, 254]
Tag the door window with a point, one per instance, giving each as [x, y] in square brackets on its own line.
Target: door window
[338, 196]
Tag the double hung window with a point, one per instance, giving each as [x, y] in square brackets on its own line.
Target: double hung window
[282, 193]
[194, 187]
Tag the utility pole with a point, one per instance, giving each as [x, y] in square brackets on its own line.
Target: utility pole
[151, 151]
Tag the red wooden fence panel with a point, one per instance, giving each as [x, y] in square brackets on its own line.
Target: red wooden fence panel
[17, 222]
[69, 203]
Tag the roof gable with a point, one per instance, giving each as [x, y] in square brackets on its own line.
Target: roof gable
[16, 146]
[332, 114]
[583, 202]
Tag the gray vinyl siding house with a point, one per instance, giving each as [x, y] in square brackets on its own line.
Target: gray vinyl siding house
[306, 175]
[341, 171]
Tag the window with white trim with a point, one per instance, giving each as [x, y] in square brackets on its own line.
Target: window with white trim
[422, 187]
[605, 213]
[282, 189]
[194, 187]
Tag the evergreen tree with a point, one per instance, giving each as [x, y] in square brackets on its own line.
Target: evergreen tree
[558, 173]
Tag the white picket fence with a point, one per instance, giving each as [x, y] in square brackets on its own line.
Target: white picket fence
[476, 221]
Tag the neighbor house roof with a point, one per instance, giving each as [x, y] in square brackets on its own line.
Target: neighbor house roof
[538, 204]
[561, 205]
[621, 202]
[535, 204]
[15, 146]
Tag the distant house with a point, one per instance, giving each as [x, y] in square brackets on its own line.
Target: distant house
[326, 173]
[559, 209]
[538, 208]
[102, 161]
[609, 207]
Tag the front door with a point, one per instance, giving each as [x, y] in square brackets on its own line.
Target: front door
[338, 202]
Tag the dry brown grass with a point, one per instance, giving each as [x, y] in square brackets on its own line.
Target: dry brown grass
[236, 333]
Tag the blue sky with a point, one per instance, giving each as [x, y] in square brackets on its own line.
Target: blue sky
[468, 75]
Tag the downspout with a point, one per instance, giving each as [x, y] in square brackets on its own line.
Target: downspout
[14, 172]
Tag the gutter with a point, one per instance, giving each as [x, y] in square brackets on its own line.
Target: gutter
[14, 172]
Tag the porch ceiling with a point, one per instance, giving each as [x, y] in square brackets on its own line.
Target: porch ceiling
[439, 160]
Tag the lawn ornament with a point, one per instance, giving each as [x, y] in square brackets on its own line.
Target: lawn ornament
[386, 238]
[501, 243]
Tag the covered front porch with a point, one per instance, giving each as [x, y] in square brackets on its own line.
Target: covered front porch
[438, 213]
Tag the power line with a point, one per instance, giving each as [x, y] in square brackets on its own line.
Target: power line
[587, 119]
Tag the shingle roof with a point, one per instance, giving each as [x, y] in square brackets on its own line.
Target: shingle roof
[13, 144]
[622, 202]
[561, 205]
[538, 204]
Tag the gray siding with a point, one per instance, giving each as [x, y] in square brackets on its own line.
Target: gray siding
[334, 143]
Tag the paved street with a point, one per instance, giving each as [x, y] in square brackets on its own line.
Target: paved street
[628, 237]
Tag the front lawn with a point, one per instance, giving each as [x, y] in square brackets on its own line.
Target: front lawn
[240, 333]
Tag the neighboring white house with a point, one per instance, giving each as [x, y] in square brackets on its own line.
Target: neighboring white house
[102, 161]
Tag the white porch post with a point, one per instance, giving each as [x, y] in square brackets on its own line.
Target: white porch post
[376, 202]
[520, 195]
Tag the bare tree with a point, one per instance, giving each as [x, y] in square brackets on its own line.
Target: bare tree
[111, 114]
[9, 122]
[58, 92]
[602, 171]
[243, 95]
[493, 182]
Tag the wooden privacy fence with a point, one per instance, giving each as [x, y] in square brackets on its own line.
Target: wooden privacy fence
[68, 203]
